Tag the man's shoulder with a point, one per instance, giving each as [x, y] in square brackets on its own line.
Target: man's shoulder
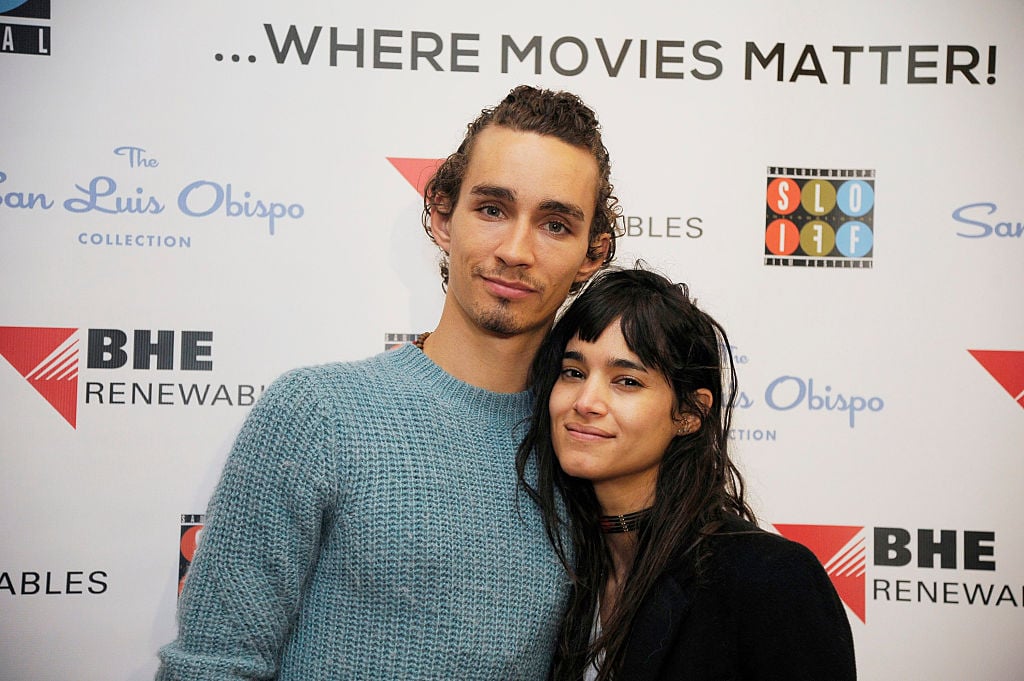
[345, 381]
[381, 365]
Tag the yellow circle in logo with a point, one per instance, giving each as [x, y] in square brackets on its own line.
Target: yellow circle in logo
[817, 238]
[818, 197]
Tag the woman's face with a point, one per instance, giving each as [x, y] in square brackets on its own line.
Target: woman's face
[611, 420]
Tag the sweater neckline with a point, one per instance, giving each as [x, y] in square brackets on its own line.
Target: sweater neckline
[424, 370]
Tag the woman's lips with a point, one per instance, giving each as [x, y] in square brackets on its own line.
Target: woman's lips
[585, 432]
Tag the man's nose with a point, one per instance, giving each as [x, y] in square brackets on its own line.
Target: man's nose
[516, 247]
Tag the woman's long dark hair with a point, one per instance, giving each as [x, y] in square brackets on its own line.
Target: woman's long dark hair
[697, 482]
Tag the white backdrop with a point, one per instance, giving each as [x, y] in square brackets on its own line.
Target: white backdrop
[94, 488]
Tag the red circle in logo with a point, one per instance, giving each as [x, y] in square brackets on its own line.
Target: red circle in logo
[189, 540]
[781, 237]
[783, 195]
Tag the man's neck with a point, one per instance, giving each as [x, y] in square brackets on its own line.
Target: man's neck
[496, 363]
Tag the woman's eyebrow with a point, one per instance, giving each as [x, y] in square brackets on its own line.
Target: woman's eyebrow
[617, 362]
[620, 363]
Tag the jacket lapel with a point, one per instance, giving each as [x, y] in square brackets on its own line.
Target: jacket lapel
[657, 625]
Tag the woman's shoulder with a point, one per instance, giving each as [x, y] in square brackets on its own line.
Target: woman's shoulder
[749, 559]
[759, 570]
[771, 597]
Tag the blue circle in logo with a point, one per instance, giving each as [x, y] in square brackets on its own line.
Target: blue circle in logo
[854, 239]
[855, 198]
[8, 5]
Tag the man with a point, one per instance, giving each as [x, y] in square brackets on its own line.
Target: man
[367, 524]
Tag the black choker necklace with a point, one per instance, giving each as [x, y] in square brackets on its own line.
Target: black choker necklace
[630, 522]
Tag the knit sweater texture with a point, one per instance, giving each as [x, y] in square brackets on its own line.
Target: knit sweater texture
[368, 525]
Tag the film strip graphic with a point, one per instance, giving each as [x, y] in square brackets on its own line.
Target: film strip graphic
[819, 217]
[393, 340]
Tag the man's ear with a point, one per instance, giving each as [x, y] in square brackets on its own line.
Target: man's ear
[596, 254]
[440, 221]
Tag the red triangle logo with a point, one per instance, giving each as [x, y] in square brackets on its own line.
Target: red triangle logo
[1007, 367]
[417, 171]
[48, 359]
[843, 554]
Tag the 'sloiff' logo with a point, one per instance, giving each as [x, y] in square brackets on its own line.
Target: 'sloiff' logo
[416, 171]
[191, 528]
[24, 38]
[48, 359]
[819, 217]
[1007, 367]
[27, 9]
[843, 552]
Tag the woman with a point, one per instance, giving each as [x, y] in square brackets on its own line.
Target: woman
[671, 577]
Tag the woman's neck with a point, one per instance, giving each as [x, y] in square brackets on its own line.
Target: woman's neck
[622, 546]
[622, 549]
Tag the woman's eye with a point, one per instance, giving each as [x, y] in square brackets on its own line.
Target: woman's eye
[571, 373]
[630, 382]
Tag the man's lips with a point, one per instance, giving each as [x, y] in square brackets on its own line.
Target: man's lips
[587, 432]
[506, 288]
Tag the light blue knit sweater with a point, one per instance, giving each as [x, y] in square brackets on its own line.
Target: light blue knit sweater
[368, 526]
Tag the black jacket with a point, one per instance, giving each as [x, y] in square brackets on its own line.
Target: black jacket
[762, 609]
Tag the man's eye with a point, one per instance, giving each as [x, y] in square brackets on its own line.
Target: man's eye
[556, 227]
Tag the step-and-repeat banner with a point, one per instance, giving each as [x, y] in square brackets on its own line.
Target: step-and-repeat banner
[195, 197]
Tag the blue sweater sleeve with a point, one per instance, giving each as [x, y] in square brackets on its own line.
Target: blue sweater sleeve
[259, 542]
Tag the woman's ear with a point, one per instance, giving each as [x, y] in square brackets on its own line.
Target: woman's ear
[703, 395]
[690, 422]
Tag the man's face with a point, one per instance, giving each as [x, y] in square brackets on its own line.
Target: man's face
[518, 236]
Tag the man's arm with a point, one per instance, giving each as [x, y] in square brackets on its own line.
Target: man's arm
[259, 542]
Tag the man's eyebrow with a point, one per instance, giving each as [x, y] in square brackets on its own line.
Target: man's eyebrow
[548, 205]
[493, 192]
[556, 206]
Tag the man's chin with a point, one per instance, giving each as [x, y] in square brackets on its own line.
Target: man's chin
[500, 325]
[500, 320]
